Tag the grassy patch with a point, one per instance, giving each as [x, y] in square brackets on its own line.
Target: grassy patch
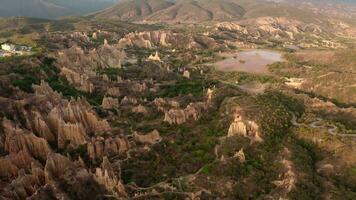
[112, 73]
[183, 87]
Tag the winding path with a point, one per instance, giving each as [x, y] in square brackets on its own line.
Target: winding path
[319, 124]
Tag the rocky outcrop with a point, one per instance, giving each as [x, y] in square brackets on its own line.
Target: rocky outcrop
[150, 138]
[129, 100]
[25, 185]
[280, 28]
[82, 36]
[109, 56]
[99, 147]
[11, 164]
[179, 116]
[140, 109]
[246, 128]
[78, 80]
[110, 103]
[17, 139]
[40, 126]
[42, 183]
[287, 178]
[77, 112]
[78, 182]
[296, 83]
[153, 39]
[155, 57]
[145, 39]
[79, 66]
[138, 88]
[105, 176]
[240, 156]
[238, 127]
[56, 166]
[105, 56]
[45, 90]
[287, 181]
[270, 26]
[113, 91]
[186, 74]
[70, 134]
[209, 95]
[175, 116]
[39, 118]
[164, 105]
[62, 121]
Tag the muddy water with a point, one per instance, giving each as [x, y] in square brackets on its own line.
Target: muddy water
[253, 61]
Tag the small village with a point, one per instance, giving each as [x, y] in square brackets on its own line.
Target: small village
[8, 49]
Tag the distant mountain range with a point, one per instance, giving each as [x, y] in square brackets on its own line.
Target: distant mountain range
[51, 8]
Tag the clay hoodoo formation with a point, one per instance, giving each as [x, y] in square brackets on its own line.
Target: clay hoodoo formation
[149, 138]
[180, 116]
[193, 111]
[31, 162]
[99, 147]
[110, 103]
[246, 128]
[154, 39]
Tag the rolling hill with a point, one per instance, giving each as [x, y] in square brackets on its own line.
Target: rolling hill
[180, 11]
[203, 10]
[130, 10]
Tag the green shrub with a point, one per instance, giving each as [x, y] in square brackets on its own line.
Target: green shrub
[26, 83]
[112, 73]
[206, 169]
[184, 87]
[274, 116]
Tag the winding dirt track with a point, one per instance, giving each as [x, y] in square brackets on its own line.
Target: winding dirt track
[319, 124]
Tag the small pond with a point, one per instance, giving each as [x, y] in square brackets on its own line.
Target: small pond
[253, 61]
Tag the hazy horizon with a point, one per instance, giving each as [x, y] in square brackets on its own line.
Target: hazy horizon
[51, 8]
